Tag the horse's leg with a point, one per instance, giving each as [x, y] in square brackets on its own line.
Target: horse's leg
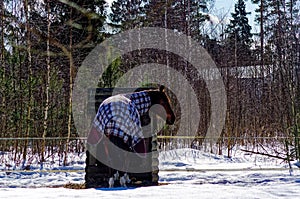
[119, 160]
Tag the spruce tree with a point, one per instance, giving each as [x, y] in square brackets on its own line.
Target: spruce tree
[127, 14]
[239, 36]
[185, 16]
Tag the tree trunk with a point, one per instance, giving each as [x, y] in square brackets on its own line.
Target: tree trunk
[71, 66]
[48, 59]
[29, 84]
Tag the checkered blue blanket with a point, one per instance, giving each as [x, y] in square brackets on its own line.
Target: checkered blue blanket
[119, 115]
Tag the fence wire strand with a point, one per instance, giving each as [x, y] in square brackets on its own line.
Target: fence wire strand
[9, 171]
[159, 137]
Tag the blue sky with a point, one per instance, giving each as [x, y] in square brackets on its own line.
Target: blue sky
[228, 5]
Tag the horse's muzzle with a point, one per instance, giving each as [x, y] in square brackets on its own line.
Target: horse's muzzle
[170, 119]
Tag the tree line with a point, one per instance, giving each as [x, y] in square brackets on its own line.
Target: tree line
[43, 43]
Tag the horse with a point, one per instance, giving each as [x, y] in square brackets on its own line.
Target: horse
[121, 117]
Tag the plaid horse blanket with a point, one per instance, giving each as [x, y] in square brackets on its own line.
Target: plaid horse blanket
[119, 116]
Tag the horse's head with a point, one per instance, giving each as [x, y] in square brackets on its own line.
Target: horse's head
[159, 97]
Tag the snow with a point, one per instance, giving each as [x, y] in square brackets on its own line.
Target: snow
[184, 173]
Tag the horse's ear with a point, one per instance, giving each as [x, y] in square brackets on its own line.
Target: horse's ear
[162, 88]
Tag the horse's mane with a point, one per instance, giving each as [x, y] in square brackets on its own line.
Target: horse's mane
[156, 95]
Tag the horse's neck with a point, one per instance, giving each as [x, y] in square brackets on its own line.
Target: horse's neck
[154, 96]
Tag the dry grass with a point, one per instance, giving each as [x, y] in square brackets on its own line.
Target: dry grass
[75, 186]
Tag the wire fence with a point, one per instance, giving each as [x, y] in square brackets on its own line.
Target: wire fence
[161, 170]
[160, 138]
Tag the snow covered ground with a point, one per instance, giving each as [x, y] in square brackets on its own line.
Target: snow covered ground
[184, 173]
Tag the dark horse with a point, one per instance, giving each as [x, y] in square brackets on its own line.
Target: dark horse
[121, 117]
